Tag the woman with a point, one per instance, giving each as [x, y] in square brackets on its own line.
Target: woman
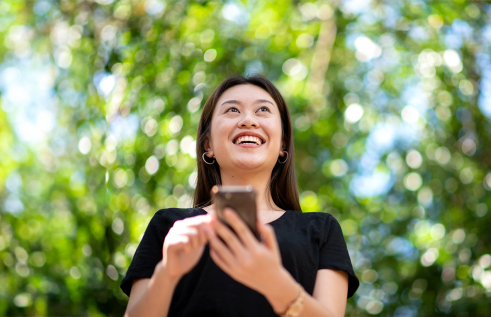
[190, 264]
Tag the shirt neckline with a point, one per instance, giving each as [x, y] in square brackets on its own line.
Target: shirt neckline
[266, 223]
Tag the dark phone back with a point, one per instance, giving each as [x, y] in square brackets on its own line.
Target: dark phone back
[240, 198]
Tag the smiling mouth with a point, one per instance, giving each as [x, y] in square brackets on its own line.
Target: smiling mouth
[251, 140]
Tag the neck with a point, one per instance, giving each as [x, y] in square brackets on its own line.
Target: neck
[260, 184]
[266, 211]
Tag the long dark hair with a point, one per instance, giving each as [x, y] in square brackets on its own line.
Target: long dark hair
[283, 183]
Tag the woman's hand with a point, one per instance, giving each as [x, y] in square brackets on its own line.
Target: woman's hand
[184, 245]
[242, 256]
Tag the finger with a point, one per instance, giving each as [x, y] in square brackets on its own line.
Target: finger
[180, 243]
[209, 231]
[230, 238]
[202, 234]
[195, 238]
[240, 227]
[269, 236]
[192, 221]
[221, 249]
[186, 245]
[197, 220]
[219, 261]
[186, 242]
[192, 234]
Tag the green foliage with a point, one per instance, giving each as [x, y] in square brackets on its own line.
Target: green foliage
[389, 132]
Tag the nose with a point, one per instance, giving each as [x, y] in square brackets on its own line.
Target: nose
[248, 121]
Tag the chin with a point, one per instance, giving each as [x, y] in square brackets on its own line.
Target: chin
[251, 163]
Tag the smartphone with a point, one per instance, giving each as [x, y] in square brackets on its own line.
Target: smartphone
[242, 199]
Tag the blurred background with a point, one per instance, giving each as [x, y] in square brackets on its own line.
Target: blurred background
[390, 102]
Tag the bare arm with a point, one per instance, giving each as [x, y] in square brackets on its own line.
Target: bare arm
[151, 296]
[183, 247]
[328, 300]
[331, 290]
[258, 266]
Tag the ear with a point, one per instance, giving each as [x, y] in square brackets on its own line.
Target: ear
[283, 147]
[208, 147]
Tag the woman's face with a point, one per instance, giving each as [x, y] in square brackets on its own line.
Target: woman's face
[246, 130]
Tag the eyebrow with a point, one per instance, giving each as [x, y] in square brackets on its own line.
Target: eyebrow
[237, 102]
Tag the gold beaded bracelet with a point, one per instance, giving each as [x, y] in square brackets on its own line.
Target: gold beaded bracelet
[296, 306]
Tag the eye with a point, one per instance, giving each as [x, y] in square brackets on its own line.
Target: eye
[231, 109]
[267, 109]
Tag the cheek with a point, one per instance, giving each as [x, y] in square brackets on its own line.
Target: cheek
[274, 130]
[223, 129]
[220, 131]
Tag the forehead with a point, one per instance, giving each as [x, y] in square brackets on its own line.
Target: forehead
[245, 94]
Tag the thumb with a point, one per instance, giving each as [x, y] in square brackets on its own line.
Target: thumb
[268, 235]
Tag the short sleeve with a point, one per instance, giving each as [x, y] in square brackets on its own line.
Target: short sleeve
[333, 254]
[149, 251]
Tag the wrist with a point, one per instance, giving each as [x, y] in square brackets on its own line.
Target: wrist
[283, 291]
[163, 274]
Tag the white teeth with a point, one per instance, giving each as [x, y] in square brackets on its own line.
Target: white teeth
[248, 138]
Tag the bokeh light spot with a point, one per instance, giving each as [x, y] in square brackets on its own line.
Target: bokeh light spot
[210, 55]
[366, 49]
[22, 300]
[374, 307]
[429, 257]
[452, 60]
[413, 181]
[353, 113]
[485, 261]
[175, 124]
[112, 272]
[414, 159]
[84, 145]
[152, 165]
[410, 114]
[338, 167]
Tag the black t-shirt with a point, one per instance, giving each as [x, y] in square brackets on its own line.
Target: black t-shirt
[308, 242]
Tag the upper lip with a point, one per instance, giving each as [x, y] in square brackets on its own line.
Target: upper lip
[249, 133]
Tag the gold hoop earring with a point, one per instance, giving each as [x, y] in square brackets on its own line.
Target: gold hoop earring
[206, 161]
[285, 159]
